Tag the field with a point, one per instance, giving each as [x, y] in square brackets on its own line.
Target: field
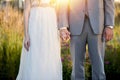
[11, 37]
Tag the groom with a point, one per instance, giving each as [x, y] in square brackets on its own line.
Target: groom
[90, 22]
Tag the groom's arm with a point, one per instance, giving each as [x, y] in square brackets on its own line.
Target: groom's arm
[109, 19]
[109, 12]
[63, 15]
[63, 23]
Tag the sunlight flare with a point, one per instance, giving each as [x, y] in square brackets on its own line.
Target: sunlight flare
[63, 1]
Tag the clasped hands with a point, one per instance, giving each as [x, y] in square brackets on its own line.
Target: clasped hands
[65, 35]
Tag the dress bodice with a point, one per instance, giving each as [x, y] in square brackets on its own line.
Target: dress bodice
[45, 1]
[36, 2]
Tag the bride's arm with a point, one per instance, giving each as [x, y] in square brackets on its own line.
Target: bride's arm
[26, 16]
[26, 24]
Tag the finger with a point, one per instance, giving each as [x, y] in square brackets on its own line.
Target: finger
[28, 43]
[68, 33]
[107, 34]
[106, 37]
[68, 37]
[25, 46]
[63, 38]
[63, 34]
[110, 36]
[109, 39]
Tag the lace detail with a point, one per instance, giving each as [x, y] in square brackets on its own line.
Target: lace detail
[44, 3]
[35, 2]
[38, 2]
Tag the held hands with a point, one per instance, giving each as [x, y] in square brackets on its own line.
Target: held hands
[64, 34]
[108, 33]
[27, 43]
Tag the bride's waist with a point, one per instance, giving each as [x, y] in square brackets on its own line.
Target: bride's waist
[42, 5]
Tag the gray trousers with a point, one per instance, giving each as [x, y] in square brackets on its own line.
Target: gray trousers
[96, 48]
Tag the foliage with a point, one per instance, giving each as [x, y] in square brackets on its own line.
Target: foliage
[11, 34]
[112, 59]
[66, 60]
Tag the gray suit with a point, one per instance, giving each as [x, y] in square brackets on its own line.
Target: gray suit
[87, 31]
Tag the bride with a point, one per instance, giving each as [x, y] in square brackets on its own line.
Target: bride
[40, 57]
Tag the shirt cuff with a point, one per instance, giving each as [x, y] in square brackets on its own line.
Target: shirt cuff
[110, 27]
[63, 28]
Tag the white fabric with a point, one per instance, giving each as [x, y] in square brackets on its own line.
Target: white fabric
[42, 61]
[36, 2]
[45, 1]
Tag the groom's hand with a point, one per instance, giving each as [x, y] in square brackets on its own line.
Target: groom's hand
[108, 33]
[64, 34]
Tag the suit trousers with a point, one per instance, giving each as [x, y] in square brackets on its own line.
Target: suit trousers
[96, 48]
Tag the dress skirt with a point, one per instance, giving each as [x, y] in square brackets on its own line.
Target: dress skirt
[43, 60]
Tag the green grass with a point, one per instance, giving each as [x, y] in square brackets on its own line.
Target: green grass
[11, 35]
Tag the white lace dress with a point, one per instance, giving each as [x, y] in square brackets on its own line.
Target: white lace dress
[42, 61]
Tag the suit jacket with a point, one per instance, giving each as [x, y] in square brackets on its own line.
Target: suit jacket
[72, 15]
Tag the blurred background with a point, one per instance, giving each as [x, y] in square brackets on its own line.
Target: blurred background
[11, 38]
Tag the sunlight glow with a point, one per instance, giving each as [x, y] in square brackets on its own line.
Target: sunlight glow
[63, 1]
[46, 1]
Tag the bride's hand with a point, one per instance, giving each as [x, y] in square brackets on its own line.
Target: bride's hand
[27, 43]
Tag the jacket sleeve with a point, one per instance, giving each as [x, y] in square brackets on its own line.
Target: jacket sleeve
[109, 12]
[63, 14]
